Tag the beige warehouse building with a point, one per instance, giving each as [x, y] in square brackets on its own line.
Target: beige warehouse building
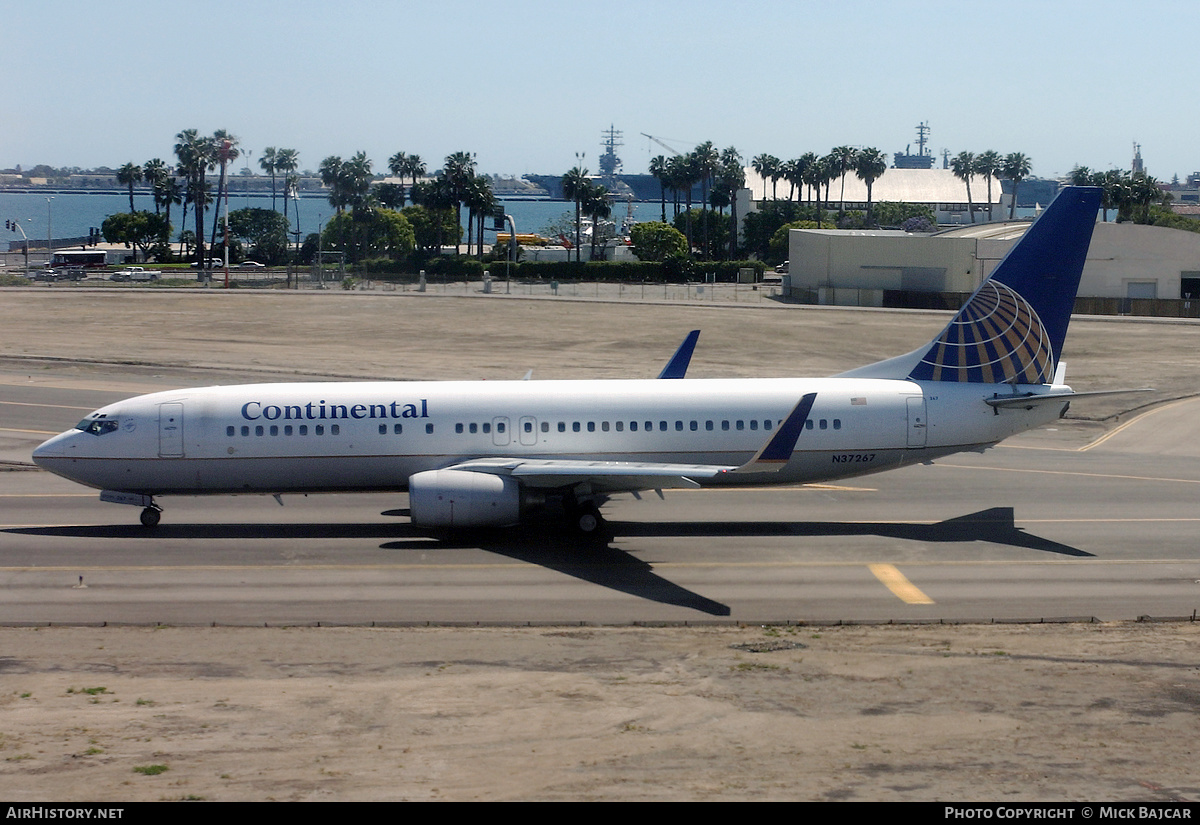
[856, 268]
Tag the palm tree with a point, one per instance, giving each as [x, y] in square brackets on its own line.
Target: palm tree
[481, 202]
[767, 166]
[225, 150]
[988, 165]
[128, 175]
[793, 172]
[287, 161]
[705, 160]
[415, 167]
[677, 177]
[870, 166]
[575, 186]
[459, 171]
[1016, 167]
[154, 172]
[196, 156]
[963, 166]
[598, 207]
[398, 166]
[658, 168]
[733, 178]
[845, 156]
[331, 174]
[166, 189]
[356, 179]
[268, 163]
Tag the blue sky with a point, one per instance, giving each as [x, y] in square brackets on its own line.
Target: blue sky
[526, 85]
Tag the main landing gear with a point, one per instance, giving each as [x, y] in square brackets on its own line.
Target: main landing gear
[583, 517]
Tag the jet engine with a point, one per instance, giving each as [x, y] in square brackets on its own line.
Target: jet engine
[459, 498]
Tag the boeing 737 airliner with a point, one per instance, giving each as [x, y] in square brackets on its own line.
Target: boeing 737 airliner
[485, 453]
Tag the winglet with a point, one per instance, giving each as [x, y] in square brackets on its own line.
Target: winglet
[776, 452]
[677, 366]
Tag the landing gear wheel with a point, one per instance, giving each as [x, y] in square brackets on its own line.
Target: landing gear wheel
[589, 520]
[151, 516]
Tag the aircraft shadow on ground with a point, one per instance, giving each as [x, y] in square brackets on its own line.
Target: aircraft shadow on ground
[996, 525]
[592, 560]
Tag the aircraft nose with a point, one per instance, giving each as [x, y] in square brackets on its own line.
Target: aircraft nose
[51, 448]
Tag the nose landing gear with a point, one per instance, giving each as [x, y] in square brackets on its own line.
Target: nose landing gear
[151, 515]
[151, 512]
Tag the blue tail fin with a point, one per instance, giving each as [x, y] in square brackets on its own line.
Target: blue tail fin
[1012, 329]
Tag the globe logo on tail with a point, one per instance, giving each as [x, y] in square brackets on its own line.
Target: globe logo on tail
[997, 338]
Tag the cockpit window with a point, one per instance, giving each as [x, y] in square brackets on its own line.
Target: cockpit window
[97, 426]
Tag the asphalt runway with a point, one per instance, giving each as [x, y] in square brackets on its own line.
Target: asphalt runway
[1068, 522]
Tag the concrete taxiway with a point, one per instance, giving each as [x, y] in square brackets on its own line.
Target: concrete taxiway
[1073, 521]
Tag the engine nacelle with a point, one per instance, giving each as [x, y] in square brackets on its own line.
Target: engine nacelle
[458, 498]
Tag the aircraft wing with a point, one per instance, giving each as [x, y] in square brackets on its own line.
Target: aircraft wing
[626, 476]
[606, 476]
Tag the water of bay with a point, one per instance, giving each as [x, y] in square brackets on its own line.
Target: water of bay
[74, 215]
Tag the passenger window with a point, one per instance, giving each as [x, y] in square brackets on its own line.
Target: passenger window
[591, 426]
[382, 429]
[429, 429]
[767, 424]
[458, 428]
[474, 428]
[258, 430]
[318, 429]
[274, 430]
[678, 426]
[725, 425]
[604, 426]
[575, 426]
[741, 425]
[824, 424]
[620, 426]
[754, 423]
[487, 428]
[545, 426]
[708, 425]
[562, 426]
[396, 429]
[287, 428]
[335, 429]
[303, 429]
[808, 424]
[837, 423]
[693, 426]
[230, 430]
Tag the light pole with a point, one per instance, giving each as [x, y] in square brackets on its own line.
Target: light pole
[49, 234]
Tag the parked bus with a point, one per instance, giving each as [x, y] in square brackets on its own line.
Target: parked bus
[88, 259]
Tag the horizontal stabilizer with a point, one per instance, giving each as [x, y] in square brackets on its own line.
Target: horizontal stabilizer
[1027, 401]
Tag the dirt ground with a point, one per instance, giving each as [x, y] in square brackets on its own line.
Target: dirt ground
[1004, 713]
[997, 712]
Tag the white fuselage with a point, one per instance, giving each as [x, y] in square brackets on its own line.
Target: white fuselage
[275, 438]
